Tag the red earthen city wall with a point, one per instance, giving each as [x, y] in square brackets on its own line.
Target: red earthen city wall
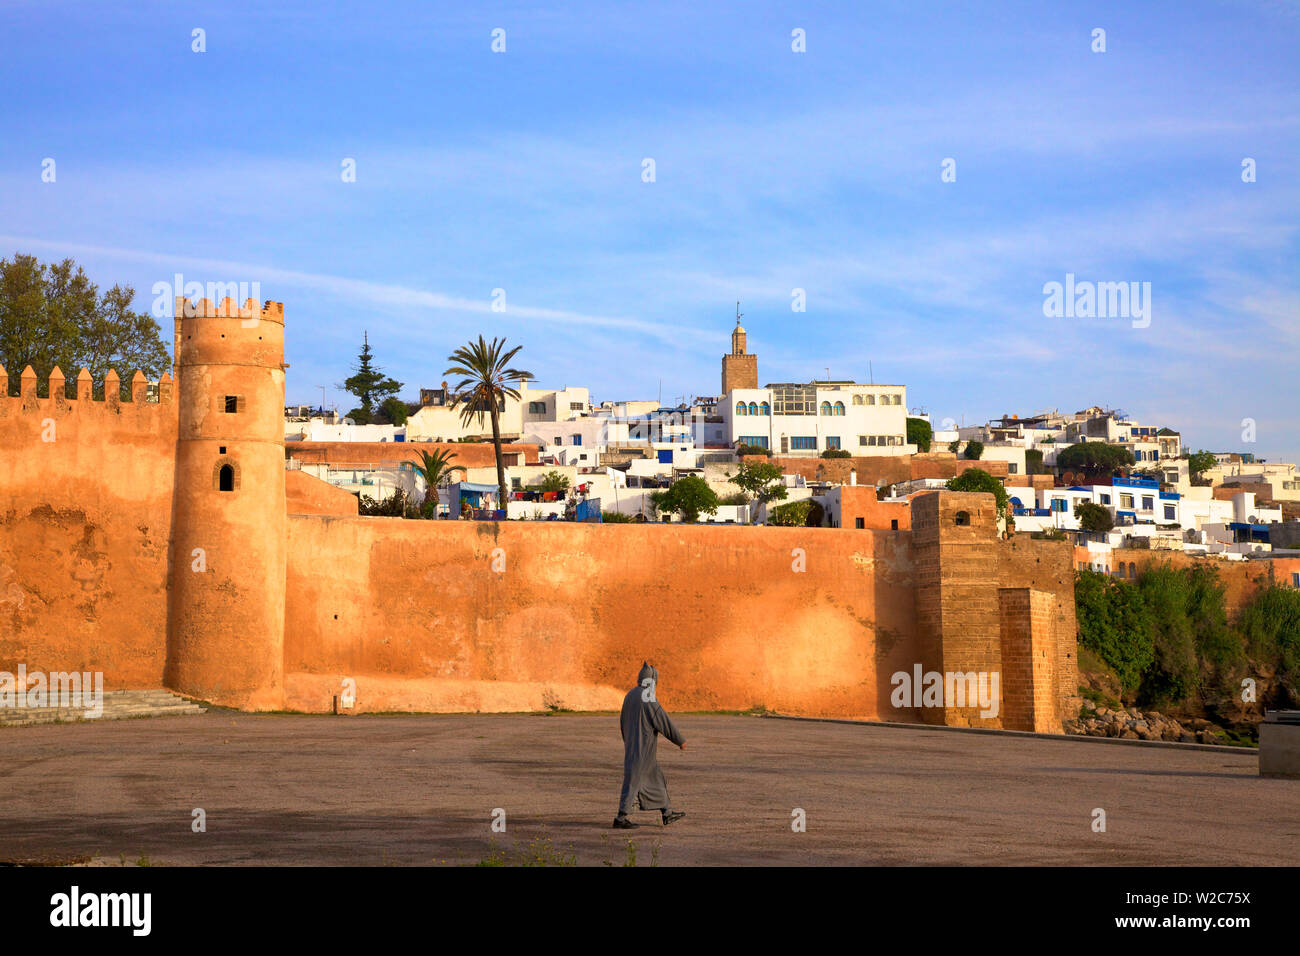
[85, 520]
[414, 613]
[307, 495]
[468, 454]
[873, 470]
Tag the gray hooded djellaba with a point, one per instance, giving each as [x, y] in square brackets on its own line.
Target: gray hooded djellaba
[641, 722]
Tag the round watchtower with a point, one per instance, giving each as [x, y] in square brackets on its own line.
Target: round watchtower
[225, 640]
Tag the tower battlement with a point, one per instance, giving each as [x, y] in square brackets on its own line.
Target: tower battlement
[229, 308]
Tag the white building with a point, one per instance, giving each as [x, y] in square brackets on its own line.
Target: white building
[806, 420]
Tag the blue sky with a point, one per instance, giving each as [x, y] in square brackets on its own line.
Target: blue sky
[775, 170]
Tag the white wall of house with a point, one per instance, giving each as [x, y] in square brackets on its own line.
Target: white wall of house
[553, 404]
[320, 431]
[443, 423]
[860, 419]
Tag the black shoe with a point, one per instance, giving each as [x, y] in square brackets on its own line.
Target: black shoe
[673, 817]
[623, 823]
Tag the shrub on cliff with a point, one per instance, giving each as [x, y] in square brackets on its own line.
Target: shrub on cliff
[1270, 625]
[1114, 624]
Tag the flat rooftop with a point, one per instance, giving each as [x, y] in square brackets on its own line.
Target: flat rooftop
[421, 790]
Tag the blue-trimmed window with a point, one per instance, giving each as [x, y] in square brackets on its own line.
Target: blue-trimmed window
[1060, 504]
[742, 408]
[833, 441]
[826, 408]
[759, 441]
[804, 442]
[839, 410]
[765, 409]
[1169, 512]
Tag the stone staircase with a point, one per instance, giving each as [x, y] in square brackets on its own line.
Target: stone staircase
[118, 705]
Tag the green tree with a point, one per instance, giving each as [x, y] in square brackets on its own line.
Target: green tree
[486, 385]
[974, 449]
[1093, 517]
[393, 411]
[1200, 461]
[760, 480]
[689, 497]
[554, 481]
[1096, 458]
[977, 479]
[370, 385]
[791, 515]
[1034, 462]
[54, 315]
[742, 450]
[919, 433]
[435, 468]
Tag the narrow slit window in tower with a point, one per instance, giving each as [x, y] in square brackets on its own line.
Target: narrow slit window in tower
[227, 479]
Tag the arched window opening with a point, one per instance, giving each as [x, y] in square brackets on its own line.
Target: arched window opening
[826, 408]
[741, 408]
[963, 518]
[226, 479]
[765, 409]
[753, 408]
[839, 408]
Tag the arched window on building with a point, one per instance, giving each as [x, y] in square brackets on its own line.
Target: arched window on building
[765, 409]
[742, 408]
[753, 408]
[857, 399]
[839, 408]
[962, 518]
[826, 408]
[226, 478]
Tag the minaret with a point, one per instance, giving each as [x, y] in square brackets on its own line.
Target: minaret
[739, 369]
[225, 640]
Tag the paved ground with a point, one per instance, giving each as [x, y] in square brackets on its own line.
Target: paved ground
[422, 789]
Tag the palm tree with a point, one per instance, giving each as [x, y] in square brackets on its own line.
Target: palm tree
[435, 468]
[485, 386]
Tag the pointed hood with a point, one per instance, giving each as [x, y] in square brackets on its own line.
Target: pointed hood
[647, 671]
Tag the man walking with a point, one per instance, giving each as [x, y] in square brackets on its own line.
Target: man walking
[641, 723]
